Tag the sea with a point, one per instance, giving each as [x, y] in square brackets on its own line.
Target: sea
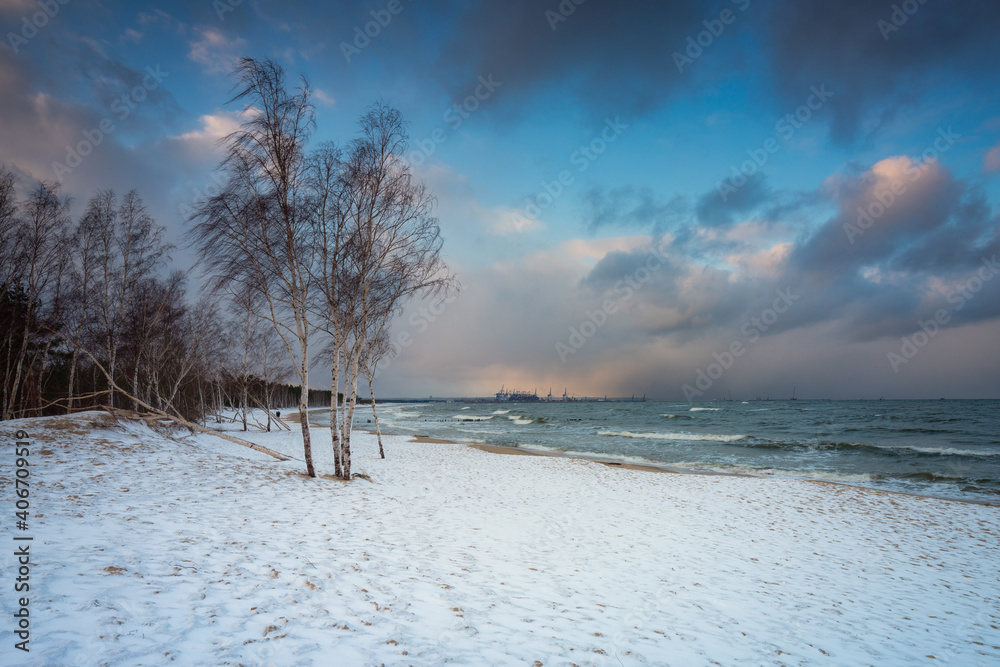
[941, 448]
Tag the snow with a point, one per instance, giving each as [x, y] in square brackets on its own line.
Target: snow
[150, 550]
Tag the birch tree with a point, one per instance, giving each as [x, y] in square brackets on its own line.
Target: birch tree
[130, 249]
[393, 246]
[256, 234]
[84, 261]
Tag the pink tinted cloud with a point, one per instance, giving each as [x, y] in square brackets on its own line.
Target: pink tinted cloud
[991, 161]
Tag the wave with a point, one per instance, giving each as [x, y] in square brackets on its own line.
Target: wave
[405, 414]
[888, 450]
[933, 477]
[674, 436]
[677, 416]
[500, 412]
[472, 418]
[751, 471]
[950, 451]
[704, 409]
[520, 421]
[595, 456]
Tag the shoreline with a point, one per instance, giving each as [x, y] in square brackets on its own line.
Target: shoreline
[516, 451]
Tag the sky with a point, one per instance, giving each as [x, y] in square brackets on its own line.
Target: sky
[683, 200]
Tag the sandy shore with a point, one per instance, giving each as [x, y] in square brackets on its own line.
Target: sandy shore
[157, 551]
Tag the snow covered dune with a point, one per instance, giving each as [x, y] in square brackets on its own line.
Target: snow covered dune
[151, 550]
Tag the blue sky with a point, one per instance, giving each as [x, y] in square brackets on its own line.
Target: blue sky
[664, 140]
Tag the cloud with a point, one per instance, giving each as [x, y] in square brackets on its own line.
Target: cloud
[875, 71]
[323, 98]
[881, 212]
[213, 127]
[505, 221]
[18, 6]
[632, 207]
[214, 50]
[851, 301]
[615, 60]
[715, 211]
[991, 161]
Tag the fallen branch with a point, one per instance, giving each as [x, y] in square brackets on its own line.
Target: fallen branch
[174, 418]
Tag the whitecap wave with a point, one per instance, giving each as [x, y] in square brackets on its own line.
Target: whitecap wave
[704, 409]
[500, 412]
[471, 418]
[674, 436]
[749, 471]
[950, 451]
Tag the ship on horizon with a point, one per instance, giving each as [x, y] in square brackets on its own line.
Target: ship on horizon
[517, 396]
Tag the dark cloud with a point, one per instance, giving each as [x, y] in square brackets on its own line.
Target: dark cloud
[887, 258]
[116, 87]
[631, 207]
[616, 58]
[886, 212]
[872, 67]
[40, 130]
[715, 211]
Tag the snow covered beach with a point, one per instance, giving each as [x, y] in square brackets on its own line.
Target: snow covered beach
[151, 550]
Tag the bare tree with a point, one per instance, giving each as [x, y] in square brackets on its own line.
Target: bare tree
[392, 243]
[376, 350]
[256, 234]
[84, 261]
[9, 264]
[39, 249]
[130, 249]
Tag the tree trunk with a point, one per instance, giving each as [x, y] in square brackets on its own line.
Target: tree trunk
[334, 439]
[244, 401]
[304, 413]
[72, 377]
[350, 402]
[15, 386]
[135, 384]
[378, 430]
